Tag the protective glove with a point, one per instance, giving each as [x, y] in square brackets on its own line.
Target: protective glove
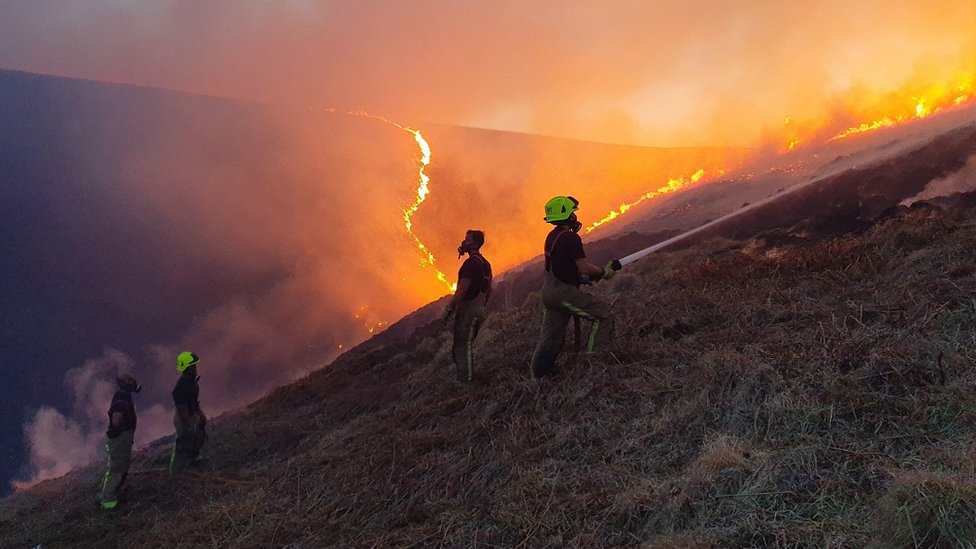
[446, 315]
[611, 268]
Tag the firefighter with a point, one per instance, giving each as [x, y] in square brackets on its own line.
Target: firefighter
[566, 266]
[118, 446]
[467, 305]
[189, 420]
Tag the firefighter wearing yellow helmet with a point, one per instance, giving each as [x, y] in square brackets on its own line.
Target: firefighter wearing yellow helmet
[566, 268]
[188, 419]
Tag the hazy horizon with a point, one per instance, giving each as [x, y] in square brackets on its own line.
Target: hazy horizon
[649, 73]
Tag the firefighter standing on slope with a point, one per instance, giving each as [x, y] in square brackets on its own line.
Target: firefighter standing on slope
[121, 430]
[467, 305]
[189, 420]
[562, 299]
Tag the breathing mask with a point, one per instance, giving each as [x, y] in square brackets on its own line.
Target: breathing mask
[574, 224]
[467, 245]
[129, 383]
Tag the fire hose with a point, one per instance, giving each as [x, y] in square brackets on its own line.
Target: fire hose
[627, 260]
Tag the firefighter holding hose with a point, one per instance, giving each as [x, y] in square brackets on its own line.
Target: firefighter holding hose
[566, 266]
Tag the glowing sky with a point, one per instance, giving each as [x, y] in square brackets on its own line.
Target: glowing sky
[640, 72]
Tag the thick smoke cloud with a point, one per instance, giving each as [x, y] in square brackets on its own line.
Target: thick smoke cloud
[961, 181]
[653, 73]
[258, 239]
[262, 239]
[154, 223]
[61, 442]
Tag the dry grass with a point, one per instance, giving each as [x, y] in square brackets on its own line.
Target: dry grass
[929, 509]
[814, 395]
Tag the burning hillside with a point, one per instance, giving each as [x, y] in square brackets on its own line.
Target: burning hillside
[140, 222]
[810, 390]
[315, 193]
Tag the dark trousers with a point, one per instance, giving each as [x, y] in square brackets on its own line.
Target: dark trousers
[467, 321]
[119, 450]
[189, 442]
[561, 302]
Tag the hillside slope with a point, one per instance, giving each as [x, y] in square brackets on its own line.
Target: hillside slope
[815, 394]
[137, 222]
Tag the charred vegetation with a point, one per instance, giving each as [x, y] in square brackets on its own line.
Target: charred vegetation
[762, 392]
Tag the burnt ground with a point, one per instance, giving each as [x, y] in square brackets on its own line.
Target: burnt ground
[799, 378]
[804, 394]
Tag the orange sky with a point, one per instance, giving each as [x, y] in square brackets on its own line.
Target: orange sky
[638, 72]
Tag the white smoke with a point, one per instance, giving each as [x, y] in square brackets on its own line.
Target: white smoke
[61, 442]
[245, 348]
[961, 181]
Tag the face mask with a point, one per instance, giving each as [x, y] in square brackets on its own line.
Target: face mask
[465, 247]
[132, 386]
[574, 224]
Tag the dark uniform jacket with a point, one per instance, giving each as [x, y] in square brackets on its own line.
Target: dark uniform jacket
[563, 248]
[122, 403]
[476, 269]
[187, 393]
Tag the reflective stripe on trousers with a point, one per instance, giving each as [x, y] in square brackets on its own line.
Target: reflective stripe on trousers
[119, 451]
[467, 322]
[561, 302]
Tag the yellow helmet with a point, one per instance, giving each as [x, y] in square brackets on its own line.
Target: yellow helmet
[185, 360]
[560, 208]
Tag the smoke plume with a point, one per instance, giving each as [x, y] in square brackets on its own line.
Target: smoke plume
[675, 73]
[961, 181]
[266, 239]
[59, 442]
[263, 239]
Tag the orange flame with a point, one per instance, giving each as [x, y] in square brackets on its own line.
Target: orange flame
[427, 259]
[671, 186]
[793, 140]
[370, 326]
[935, 99]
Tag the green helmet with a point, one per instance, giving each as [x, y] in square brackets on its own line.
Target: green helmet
[185, 360]
[560, 208]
